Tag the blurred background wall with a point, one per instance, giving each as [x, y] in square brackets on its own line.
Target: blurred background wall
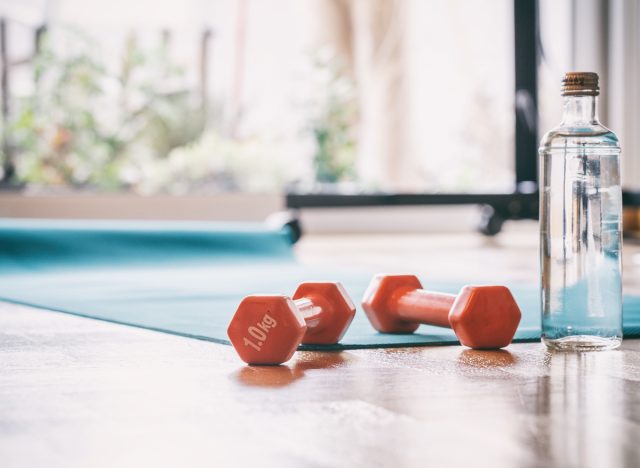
[201, 98]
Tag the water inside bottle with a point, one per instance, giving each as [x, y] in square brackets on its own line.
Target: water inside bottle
[581, 245]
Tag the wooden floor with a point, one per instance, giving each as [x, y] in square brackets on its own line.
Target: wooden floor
[77, 392]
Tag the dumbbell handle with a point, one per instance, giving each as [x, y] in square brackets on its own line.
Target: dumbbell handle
[310, 309]
[420, 305]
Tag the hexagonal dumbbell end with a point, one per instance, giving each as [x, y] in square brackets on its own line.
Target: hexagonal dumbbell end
[330, 313]
[266, 329]
[380, 302]
[485, 317]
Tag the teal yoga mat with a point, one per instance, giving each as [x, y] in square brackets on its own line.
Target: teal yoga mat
[187, 278]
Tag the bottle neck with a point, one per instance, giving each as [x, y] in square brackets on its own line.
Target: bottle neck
[580, 110]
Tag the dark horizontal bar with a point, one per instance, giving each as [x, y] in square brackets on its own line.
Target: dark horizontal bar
[334, 200]
[330, 200]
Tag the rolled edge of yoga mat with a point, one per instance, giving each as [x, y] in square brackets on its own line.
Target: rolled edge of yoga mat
[28, 245]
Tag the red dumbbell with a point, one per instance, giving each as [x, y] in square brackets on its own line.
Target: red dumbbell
[483, 317]
[268, 329]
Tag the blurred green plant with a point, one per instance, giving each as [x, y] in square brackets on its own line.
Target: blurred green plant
[71, 131]
[139, 126]
[333, 120]
[215, 162]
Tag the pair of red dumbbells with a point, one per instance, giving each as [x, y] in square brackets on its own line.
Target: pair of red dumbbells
[268, 329]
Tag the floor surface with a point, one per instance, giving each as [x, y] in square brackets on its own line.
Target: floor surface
[76, 392]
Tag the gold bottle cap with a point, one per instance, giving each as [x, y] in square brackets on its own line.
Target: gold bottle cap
[580, 84]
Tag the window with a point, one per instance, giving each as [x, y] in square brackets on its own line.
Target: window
[195, 96]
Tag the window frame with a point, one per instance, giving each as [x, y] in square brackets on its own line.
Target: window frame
[520, 204]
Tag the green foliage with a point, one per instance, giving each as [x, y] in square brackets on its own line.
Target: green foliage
[334, 121]
[87, 126]
[219, 163]
[138, 126]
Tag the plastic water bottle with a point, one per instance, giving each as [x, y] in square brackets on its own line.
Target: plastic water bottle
[580, 225]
